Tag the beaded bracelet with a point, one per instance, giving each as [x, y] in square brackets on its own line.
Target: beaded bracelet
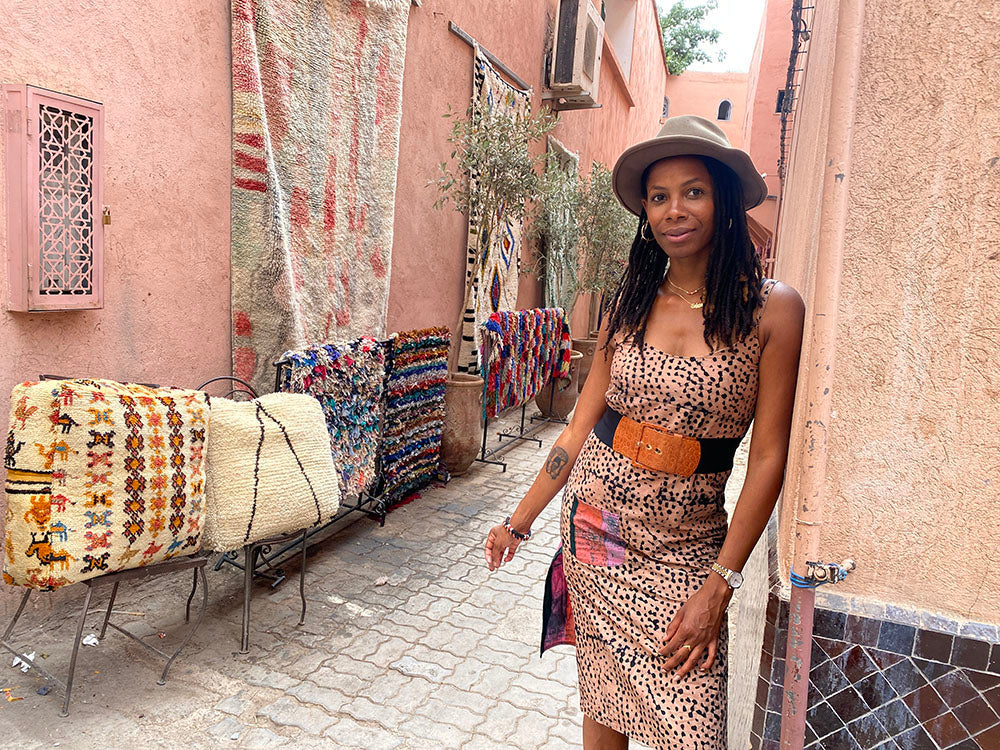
[514, 532]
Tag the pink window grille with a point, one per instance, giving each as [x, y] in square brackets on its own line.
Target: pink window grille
[54, 147]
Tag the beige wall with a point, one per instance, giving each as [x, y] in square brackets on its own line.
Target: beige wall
[913, 472]
[428, 271]
[695, 93]
[166, 178]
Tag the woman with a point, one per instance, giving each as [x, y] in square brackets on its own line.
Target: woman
[696, 345]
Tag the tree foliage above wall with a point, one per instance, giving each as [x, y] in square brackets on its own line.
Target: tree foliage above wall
[684, 35]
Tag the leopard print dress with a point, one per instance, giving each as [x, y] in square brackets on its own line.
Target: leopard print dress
[637, 544]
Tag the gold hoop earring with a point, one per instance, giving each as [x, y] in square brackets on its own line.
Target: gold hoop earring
[642, 233]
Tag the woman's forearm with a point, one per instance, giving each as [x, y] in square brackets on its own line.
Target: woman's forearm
[753, 510]
[550, 479]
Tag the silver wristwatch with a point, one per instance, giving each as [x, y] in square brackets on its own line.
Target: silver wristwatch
[733, 578]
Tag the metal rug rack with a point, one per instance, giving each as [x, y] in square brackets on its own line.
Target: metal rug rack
[266, 562]
[516, 434]
[195, 562]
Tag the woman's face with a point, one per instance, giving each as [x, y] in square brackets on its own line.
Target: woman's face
[680, 206]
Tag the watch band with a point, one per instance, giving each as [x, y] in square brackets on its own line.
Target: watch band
[726, 573]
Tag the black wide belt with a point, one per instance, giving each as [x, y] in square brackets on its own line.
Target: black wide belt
[654, 448]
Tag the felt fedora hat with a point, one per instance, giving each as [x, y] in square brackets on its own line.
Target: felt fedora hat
[686, 135]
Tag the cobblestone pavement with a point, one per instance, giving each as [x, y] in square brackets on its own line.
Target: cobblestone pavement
[409, 642]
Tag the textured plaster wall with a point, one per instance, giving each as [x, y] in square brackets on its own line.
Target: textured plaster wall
[768, 73]
[162, 72]
[913, 469]
[694, 93]
[428, 273]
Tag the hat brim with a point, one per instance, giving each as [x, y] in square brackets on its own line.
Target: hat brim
[627, 176]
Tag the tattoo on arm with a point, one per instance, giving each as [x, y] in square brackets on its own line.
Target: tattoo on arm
[558, 458]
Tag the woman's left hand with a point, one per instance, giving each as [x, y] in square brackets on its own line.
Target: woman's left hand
[693, 635]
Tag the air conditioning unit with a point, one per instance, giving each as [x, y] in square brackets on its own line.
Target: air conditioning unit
[576, 55]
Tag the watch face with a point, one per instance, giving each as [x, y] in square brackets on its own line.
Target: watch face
[736, 580]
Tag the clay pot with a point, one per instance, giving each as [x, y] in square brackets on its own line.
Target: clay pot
[564, 399]
[587, 347]
[463, 422]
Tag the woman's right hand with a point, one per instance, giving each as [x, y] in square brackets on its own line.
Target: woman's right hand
[500, 547]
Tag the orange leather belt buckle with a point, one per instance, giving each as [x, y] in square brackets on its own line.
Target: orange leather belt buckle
[656, 449]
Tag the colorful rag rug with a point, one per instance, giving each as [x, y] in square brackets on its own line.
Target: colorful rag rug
[317, 94]
[101, 476]
[493, 262]
[521, 351]
[348, 380]
[414, 411]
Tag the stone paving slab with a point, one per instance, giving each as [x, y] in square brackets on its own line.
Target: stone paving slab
[409, 643]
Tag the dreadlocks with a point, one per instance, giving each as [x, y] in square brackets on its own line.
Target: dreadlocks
[732, 280]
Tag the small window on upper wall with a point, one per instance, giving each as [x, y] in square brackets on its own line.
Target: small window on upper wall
[781, 102]
[666, 107]
[725, 110]
[54, 149]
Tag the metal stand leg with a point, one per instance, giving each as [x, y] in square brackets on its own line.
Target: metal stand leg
[193, 628]
[249, 562]
[17, 615]
[521, 434]
[552, 398]
[169, 566]
[107, 615]
[194, 588]
[484, 456]
[76, 649]
[302, 578]
[25, 659]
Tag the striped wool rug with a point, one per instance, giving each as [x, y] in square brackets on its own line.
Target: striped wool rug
[317, 94]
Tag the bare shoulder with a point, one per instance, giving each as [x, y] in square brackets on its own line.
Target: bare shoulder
[784, 301]
[784, 314]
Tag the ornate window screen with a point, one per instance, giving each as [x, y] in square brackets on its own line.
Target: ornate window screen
[54, 195]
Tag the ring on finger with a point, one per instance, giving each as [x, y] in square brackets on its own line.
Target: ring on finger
[688, 646]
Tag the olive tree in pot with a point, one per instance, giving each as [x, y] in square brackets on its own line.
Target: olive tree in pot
[555, 228]
[494, 146]
[606, 233]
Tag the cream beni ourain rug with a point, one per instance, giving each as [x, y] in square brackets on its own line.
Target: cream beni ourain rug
[317, 94]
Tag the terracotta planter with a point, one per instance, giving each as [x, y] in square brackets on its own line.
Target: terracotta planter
[564, 399]
[587, 347]
[463, 422]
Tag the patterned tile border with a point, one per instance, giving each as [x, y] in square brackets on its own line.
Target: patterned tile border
[876, 683]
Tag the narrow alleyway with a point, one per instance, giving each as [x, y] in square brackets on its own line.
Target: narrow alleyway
[409, 642]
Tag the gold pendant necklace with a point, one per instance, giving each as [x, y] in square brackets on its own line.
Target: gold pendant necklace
[693, 305]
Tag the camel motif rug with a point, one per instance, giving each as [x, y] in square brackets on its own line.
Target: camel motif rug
[101, 476]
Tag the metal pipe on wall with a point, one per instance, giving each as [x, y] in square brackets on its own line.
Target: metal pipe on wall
[820, 361]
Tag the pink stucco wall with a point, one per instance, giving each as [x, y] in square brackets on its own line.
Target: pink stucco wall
[762, 125]
[428, 268]
[697, 93]
[166, 178]
[910, 488]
